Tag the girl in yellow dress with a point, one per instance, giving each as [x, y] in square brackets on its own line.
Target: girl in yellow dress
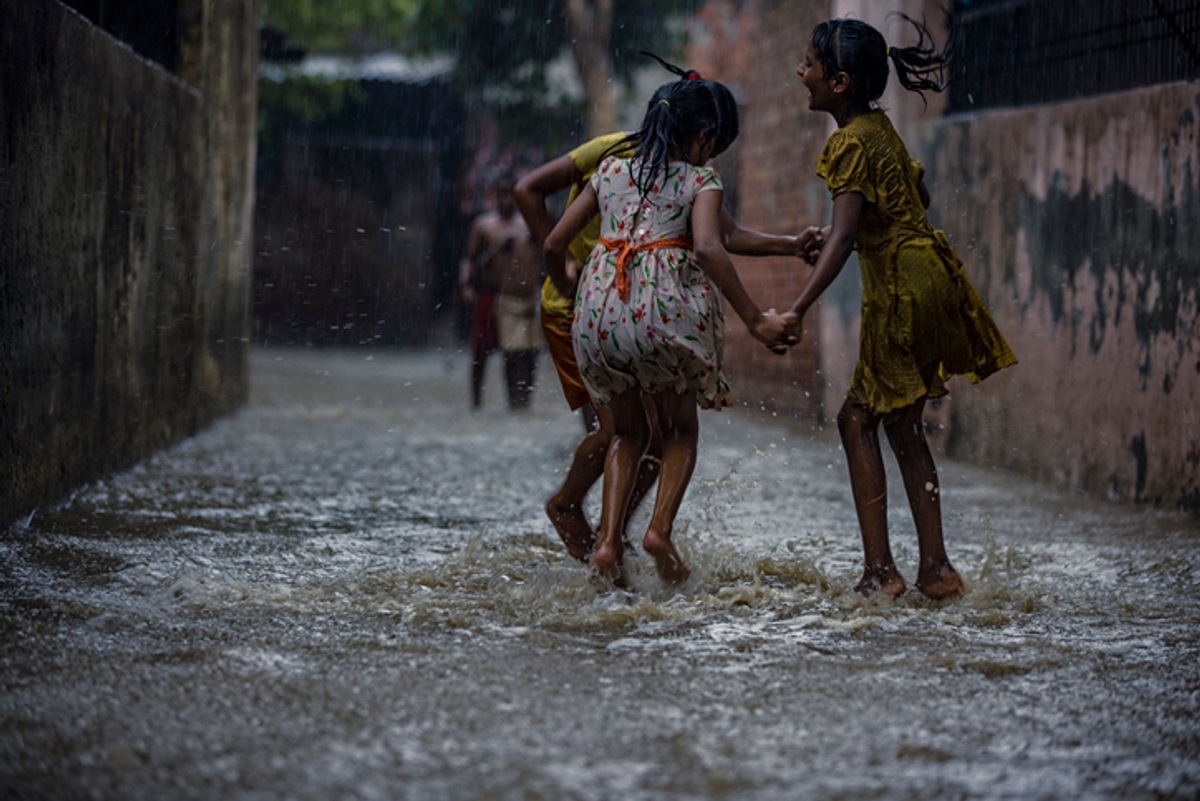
[922, 320]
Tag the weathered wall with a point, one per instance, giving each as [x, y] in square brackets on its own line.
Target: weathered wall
[1081, 224]
[125, 214]
[1077, 221]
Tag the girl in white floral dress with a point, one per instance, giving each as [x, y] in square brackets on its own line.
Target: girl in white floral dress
[648, 325]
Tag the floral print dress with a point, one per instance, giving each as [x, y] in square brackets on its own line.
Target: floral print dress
[667, 332]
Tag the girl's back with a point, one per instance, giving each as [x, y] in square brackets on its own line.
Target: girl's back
[645, 313]
[665, 212]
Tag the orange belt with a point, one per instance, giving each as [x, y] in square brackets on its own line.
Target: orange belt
[625, 253]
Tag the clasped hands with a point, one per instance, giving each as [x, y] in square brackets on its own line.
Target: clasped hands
[778, 331]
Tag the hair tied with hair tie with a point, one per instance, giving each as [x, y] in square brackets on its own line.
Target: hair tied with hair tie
[684, 75]
[887, 50]
[664, 102]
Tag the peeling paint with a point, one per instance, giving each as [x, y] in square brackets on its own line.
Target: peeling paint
[1153, 261]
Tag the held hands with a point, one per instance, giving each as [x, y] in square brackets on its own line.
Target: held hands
[795, 327]
[808, 244]
[775, 331]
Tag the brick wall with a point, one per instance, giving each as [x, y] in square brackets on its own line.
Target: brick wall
[754, 49]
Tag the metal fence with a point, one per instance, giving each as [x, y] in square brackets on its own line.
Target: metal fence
[1025, 52]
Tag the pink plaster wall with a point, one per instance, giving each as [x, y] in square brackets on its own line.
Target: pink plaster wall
[1080, 222]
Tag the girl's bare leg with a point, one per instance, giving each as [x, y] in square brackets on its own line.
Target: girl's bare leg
[631, 437]
[868, 481]
[680, 431]
[936, 577]
[651, 463]
[565, 507]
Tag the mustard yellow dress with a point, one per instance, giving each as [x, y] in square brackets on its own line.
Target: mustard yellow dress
[919, 309]
[587, 158]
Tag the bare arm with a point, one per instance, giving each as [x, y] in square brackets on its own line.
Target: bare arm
[577, 215]
[711, 256]
[847, 208]
[533, 189]
[467, 266]
[747, 242]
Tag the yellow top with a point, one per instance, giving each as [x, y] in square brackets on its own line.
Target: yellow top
[919, 309]
[587, 158]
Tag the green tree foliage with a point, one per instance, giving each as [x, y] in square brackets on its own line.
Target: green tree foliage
[499, 44]
[496, 41]
[323, 26]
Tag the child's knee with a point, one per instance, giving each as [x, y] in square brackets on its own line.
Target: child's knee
[906, 432]
[852, 422]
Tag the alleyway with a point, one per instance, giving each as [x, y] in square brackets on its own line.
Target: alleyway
[349, 590]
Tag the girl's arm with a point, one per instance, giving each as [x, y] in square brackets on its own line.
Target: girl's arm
[839, 243]
[532, 190]
[747, 242]
[577, 215]
[770, 328]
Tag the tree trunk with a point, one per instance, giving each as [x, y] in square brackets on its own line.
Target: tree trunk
[590, 24]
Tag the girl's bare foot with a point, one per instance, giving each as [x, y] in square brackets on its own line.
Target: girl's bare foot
[939, 581]
[572, 527]
[671, 568]
[881, 579]
[606, 561]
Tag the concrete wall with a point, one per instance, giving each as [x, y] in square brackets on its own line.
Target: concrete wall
[1081, 224]
[1077, 221]
[125, 215]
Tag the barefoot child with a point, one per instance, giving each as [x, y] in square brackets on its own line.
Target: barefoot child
[572, 171]
[922, 320]
[648, 324]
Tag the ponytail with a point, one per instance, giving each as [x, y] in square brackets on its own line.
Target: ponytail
[856, 48]
[921, 67]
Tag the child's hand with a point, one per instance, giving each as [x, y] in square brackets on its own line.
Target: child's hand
[795, 327]
[772, 330]
[810, 242]
[567, 283]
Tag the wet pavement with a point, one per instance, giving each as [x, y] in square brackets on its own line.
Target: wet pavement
[349, 590]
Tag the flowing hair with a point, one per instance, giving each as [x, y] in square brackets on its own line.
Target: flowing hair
[856, 48]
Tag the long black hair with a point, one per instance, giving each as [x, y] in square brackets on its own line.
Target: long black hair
[854, 47]
[676, 113]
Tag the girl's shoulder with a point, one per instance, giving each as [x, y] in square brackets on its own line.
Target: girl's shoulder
[703, 178]
[866, 135]
[608, 169]
[614, 162]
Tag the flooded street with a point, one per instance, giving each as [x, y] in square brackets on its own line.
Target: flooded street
[349, 590]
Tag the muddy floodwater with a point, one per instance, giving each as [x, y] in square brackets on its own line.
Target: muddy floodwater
[349, 590]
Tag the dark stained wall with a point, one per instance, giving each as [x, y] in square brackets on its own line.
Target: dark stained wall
[125, 230]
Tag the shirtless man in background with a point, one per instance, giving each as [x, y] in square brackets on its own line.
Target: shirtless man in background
[501, 274]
